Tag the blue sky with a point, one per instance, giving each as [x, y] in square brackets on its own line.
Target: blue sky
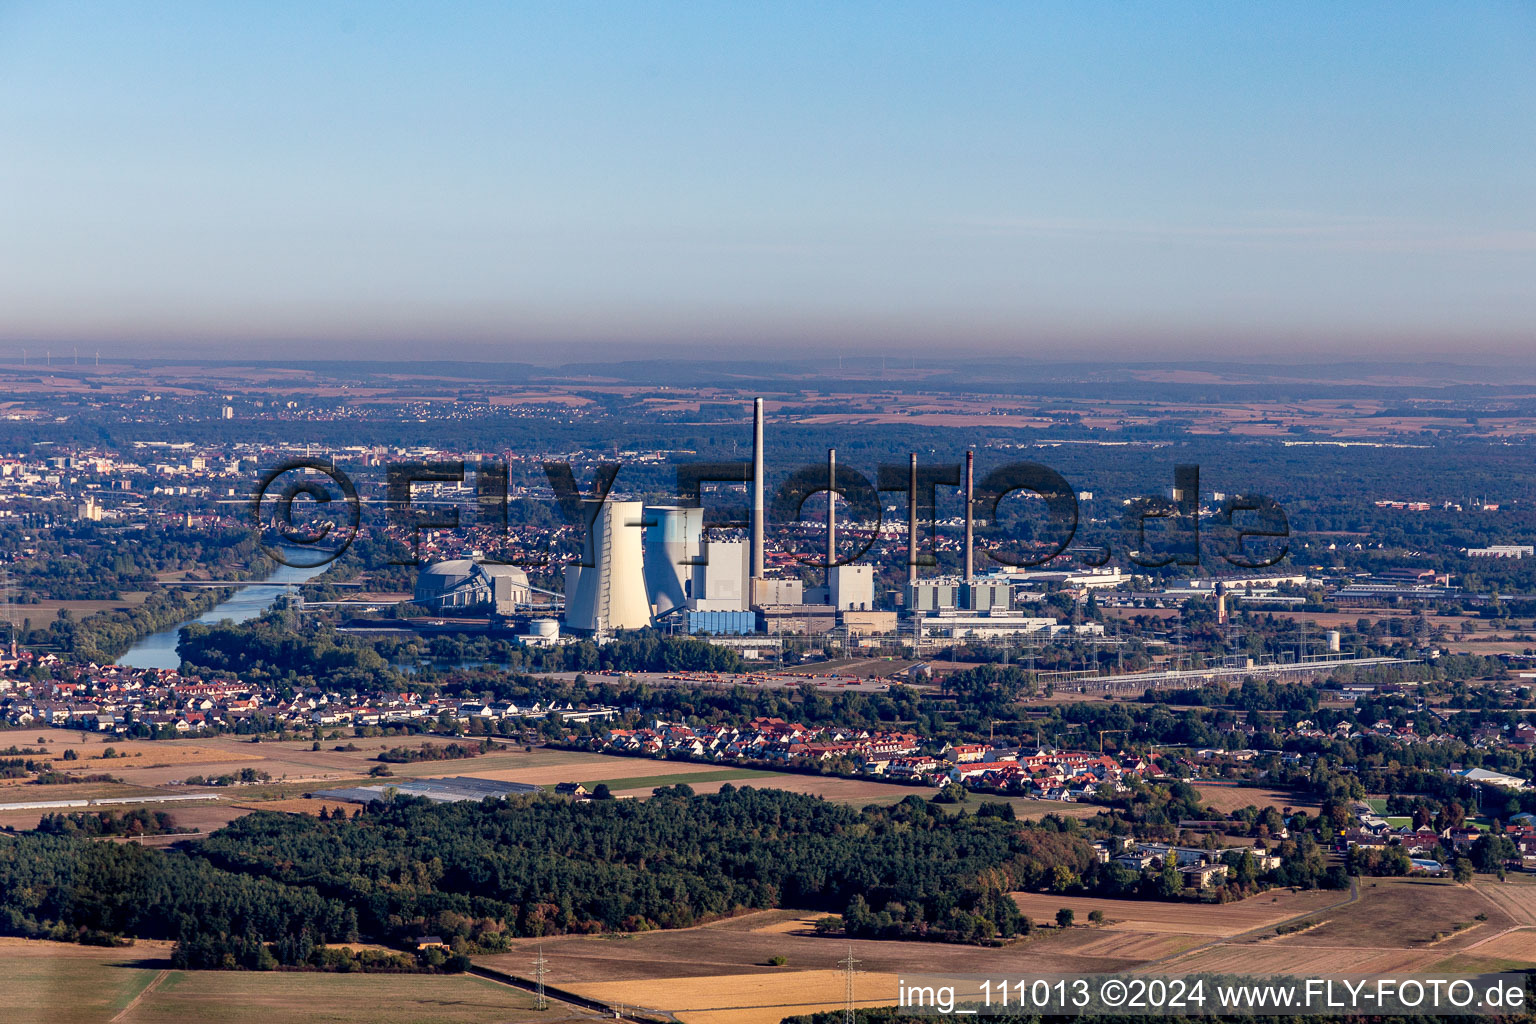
[544, 181]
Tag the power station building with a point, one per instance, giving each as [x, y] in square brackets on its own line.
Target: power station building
[463, 584]
[851, 588]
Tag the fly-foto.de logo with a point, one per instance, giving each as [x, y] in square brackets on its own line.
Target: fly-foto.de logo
[308, 512]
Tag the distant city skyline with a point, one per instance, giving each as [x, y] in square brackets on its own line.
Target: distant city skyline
[551, 183]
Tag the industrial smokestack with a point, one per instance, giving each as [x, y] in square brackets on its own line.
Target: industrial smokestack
[831, 513]
[970, 496]
[757, 488]
[912, 522]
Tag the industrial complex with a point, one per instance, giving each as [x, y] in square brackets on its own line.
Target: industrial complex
[657, 565]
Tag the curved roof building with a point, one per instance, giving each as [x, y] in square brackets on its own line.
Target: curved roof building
[463, 584]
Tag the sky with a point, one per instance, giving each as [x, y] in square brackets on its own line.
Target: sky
[563, 180]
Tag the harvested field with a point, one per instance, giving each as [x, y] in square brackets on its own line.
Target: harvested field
[142, 753]
[1205, 919]
[1269, 958]
[571, 766]
[741, 947]
[1519, 944]
[298, 805]
[700, 782]
[1121, 945]
[1404, 913]
[1227, 799]
[1390, 929]
[1516, 900]
[746, 999]
[200, 817]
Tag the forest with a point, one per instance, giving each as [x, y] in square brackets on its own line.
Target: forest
[270, 888]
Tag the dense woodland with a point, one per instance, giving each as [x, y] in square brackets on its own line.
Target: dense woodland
[479, 874]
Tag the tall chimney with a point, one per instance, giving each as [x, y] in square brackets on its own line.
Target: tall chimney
[831, 515]
[757, 488]
[912, 522]
[970, 497]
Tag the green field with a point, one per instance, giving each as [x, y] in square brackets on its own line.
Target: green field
[58, 983]
[52, 983]
[1469, 964]
[234, 997]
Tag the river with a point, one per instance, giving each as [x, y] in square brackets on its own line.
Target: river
[158, 650]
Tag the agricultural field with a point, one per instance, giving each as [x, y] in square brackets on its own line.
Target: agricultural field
[1503, 951]
[1407, 913]
[1516, 897]
[747, 998]
[719, 972]
[1397, 925]
[1209, 920]
[238, 997]
[1227, 799]
[43, 613]
[157, 768]
[60, 983]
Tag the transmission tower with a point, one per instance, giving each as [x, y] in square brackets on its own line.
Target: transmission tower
[540, 968]
[850, 968]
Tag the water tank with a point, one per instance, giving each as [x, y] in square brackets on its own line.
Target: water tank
[1333, 640]
[544, 628]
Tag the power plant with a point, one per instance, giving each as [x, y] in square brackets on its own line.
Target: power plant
[652, 565]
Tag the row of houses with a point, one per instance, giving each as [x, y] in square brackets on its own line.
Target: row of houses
[114, 699]
[762, 739]
[899, 756]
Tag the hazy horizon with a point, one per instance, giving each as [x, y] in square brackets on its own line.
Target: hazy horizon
[556, 184]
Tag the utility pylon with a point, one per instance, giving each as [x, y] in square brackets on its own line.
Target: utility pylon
[540, 968]
[850, 968]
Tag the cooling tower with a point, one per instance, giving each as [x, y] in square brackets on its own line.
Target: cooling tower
[611, 593]
[672, 539]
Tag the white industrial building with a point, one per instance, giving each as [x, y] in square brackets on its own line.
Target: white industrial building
[1502, 551]
[947, 593]
[720, 584]
[852, 588]
[959, 625]
[463, 584]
